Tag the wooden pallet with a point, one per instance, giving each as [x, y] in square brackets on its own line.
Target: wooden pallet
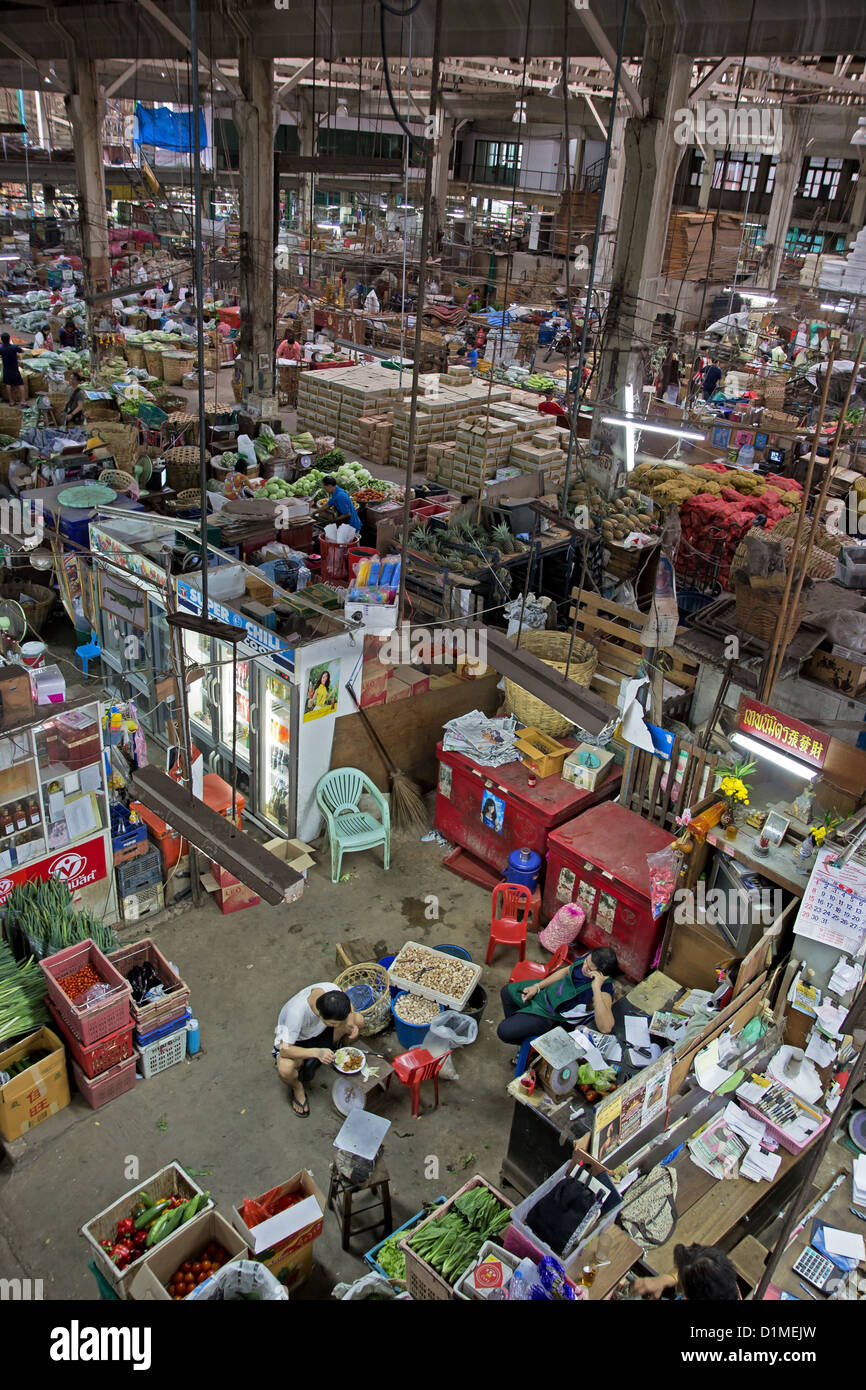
[616, 633]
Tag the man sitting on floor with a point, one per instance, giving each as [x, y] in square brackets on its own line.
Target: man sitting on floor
[311, 1026]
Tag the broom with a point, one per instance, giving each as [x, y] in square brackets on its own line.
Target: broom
[406, 804]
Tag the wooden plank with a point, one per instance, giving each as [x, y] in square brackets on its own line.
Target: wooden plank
[672, 766]
[607, 608]
[592, 623]
[620, 658]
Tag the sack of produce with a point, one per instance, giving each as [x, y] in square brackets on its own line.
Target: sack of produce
[246, 1281]
[368, 1286]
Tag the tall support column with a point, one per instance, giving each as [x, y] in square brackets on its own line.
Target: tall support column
[85, 109]
[706, 178]
[784, 187]
[307, 147]
[441, 161]
[612, 199]
[254, 115]
[858, 207]
[651, 161]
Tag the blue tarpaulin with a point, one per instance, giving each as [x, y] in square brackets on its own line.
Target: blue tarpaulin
[168, 130]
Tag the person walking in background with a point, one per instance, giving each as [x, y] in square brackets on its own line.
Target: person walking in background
[711, 378]
[13, 382]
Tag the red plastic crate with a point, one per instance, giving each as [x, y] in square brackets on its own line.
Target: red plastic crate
[100, 1056]
[94, 1021]
[109, 1086]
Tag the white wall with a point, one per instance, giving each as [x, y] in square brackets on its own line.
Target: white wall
[316, 738]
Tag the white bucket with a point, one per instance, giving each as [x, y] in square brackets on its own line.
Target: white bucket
[33, 653]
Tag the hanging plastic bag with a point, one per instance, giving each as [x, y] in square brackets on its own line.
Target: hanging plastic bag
[663, 879]
[245, 448]
[565, 925]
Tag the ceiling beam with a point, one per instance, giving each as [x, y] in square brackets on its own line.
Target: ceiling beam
[800, 72]
[170, 27]
[19, 52]
[122, 80]
[707, 82]
[591, 104]
[297, 76]
[606, 49]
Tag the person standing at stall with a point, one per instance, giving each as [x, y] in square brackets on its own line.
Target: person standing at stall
[289, 349]
[341, 503]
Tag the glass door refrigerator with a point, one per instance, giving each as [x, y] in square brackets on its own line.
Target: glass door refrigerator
[237, 713]
[276, 749]
[203, 694]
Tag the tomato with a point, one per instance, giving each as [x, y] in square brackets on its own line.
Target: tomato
[196, 1267]
[201, 1278]
[185, 1267]
[214, 1267]
[221, 1254]
[212, 1248]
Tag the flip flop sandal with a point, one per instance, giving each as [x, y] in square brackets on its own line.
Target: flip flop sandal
[304, 1110]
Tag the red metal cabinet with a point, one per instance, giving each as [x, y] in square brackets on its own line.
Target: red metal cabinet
[599, 860]
[491, 811]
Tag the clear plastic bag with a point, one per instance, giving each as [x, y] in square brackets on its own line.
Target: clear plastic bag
[449, 1030]
[246, 1280]
[368, 1286]
[93, 995]
[663, 879]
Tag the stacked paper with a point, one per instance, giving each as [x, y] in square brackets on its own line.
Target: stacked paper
[859, 1181]
[487, 741]
[717, 1150]
[759, 1166]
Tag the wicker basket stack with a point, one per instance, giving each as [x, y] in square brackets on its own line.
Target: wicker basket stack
[182, 467]
[153, 361]
[552, 648]
[135, 355]
[37, 600]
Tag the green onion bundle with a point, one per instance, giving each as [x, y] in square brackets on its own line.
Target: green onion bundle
[43, 915]
[22, 996]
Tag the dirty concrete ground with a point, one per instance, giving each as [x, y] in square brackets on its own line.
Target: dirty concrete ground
[226, 1112]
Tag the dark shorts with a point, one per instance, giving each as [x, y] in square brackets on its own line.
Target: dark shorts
[323, 1039]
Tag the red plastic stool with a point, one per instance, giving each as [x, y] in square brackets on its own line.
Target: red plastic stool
[419, 1065]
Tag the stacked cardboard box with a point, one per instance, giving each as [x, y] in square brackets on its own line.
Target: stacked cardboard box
[374, 436]
[482, 447]
[439, 414]
[333, 403]
[440, 462]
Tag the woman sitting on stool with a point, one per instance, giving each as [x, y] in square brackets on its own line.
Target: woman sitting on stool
[580, 993]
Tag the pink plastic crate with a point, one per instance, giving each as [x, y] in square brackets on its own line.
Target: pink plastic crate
[108, 1086]
[785, 1140]
[100, 1056]
[93, 1021]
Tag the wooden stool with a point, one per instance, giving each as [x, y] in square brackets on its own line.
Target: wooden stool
[341, 1195]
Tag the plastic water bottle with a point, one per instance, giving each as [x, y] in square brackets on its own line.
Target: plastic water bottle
[192, 1037]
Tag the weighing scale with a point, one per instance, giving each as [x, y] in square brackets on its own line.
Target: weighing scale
[559, 1059]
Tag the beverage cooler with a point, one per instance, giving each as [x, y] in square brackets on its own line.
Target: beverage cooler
[599, 860]
[490, 811]
[131, 653]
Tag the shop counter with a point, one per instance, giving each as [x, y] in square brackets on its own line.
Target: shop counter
[777, 864]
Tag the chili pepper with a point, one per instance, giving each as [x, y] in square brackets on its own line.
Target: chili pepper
[79, 982]
[125, 1228]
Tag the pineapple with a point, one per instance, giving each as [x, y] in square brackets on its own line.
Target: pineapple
[503, 539]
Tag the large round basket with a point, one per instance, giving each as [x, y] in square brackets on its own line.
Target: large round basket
[135, 355]
[758, 610]
[58, 401]
[173, 368]
[552, 649]
[182, 467]
[153, 361]
[37, 383]
[183, 425]
[377, 1014]
[36, 599]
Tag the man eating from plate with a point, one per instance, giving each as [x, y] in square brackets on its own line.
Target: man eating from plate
[311, 1026]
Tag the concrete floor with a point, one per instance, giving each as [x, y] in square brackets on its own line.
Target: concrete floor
[225, 1111]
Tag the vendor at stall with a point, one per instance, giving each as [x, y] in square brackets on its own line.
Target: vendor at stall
[580, 993]
[341, 503]
[76, 401]
[289, 349]
[69, 333]
[311, 1026]
[704, 1275]
[550, 406]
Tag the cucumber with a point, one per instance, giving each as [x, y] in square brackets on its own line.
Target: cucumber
[155, 1210]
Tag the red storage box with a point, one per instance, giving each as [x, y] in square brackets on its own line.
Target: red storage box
[599, 860]
[99, 1056]
[108, 1086]
[529, 813]
[88, 1023]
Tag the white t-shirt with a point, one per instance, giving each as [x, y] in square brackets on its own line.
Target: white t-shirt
[297, 1021]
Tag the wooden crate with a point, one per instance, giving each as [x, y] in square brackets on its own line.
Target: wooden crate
[616, 633]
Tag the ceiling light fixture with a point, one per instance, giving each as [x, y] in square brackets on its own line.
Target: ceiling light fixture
[342, 109]
[761, 750]
[638, 423]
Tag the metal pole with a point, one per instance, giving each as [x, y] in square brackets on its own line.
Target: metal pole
[178, 663]
[419, 308]
[198, 281]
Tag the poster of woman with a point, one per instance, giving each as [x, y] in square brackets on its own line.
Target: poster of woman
[323, 689]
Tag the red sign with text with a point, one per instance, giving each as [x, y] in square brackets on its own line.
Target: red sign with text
[783, 732]
[77, 867]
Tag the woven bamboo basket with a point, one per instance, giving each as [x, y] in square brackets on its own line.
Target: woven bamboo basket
[135, 355]
[182, 423]
[153, 361]
[58, 400]
[173, 368]
[37, 383]
[36, 599]
[118, 480]
[758, 609]
[10, 420]
[377, 1015]
[552, 649]
[211, 359]
[182, 467]
[122, 441]
[186, 501]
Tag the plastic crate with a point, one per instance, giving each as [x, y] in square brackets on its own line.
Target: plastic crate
[159, 1056]
[370, 1257]
[422, 1280]
[170, 1026]
[126, 839]
[100, 1056]
[99, 1090]
[170, 1181]
[418, 987]
[90, 1022]
[143, 903]
[462, 1288]
[139, 873]
[149, 1017]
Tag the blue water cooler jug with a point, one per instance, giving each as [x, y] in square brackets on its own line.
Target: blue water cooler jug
[524, 866]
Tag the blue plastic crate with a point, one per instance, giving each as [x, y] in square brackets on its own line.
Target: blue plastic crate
[139, 873]
[126, 839]
[370, 1257]
[142, 1039]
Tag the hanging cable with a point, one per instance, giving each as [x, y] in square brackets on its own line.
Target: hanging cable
[389, 89]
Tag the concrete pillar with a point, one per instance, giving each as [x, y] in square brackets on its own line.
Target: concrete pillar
[706, 178]
[254, 116]
[441, 161]
[784, 188]
[612, 199]
[858, 207]
[307, 144]
[86, 110]
[651, 160]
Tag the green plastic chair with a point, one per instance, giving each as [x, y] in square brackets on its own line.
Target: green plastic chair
[349, 828]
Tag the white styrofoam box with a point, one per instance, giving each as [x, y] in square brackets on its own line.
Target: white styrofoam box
[223, 581]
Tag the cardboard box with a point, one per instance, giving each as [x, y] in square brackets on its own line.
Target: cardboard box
[16, 696]
[284, 1244]
[38, 1092]
[840, 669]
[579, 774]
[230, 893]
[296, 853]
[156, 1271]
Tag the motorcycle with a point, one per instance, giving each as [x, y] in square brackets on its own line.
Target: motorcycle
[562, 344]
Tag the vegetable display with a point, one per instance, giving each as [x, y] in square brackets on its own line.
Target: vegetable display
[150, 1222]
[44, 914]
[450, 1243]
[22, 995]
[194, 1272]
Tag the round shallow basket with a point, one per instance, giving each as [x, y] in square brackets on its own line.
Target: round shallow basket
[187, 501]
[120, 481]
[36, 599]
[377, 1015]
[153, 361]
[552, 649]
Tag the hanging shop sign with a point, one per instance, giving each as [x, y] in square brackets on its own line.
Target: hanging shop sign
[781, 731]
[77, 868]
[101, 543]
[260, 638]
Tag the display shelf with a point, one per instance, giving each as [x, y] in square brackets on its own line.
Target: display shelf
[54, 771]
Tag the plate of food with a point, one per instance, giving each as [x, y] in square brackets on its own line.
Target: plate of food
[349, 1060]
